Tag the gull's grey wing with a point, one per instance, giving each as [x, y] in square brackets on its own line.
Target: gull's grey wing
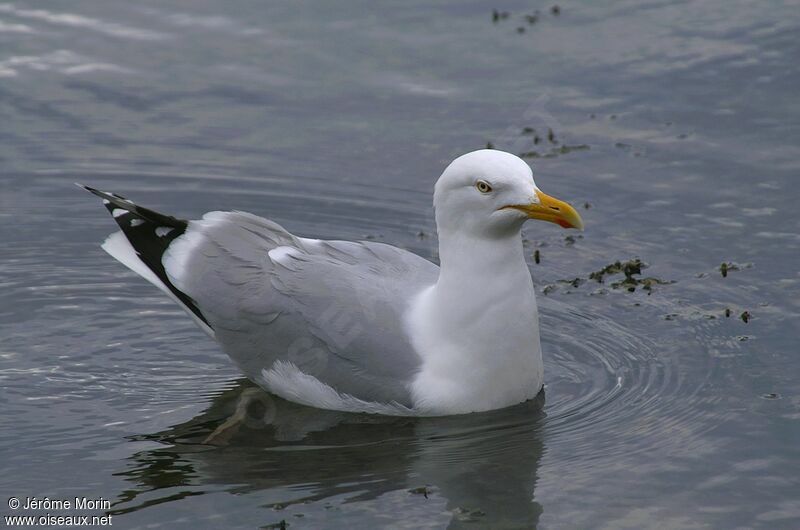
[333, 309]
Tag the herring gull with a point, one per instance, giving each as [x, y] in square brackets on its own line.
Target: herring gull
[365, 326]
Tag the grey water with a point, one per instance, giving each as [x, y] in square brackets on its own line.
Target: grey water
[671, 396]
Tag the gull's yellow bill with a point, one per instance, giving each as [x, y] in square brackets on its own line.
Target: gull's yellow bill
[551, 209]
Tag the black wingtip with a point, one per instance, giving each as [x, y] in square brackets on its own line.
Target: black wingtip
[113, 197]
[112, 201]
[139, 226]
[91, 189]
[88, 188]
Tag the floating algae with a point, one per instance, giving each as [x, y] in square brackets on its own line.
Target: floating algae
[553, 152]
[575, 282]
[499, 15]
[630, 269]
[729, 266]
[422, 490]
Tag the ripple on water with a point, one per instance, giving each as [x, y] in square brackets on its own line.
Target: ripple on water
[612, 391]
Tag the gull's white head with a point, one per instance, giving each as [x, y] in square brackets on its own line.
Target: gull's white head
[490, 193]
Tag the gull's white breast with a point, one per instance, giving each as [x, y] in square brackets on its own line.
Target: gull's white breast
[480, 349]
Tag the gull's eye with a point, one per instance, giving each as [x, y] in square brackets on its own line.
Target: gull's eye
[483, 186]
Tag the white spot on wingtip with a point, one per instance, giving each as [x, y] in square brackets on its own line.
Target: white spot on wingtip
[118, 212]
[163, 231]
[136, 222]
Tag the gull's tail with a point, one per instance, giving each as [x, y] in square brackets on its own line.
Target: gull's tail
[144, 237]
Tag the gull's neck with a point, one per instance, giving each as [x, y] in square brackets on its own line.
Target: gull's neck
[480, 277]
[477, 329]
[475, 263]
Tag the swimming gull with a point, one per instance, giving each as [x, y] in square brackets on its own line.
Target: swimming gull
[365, 326]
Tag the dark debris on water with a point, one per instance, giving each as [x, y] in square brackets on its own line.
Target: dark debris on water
[745, 316]
[467, 515]
[630, 269]
[421, 490]
[556, 148]
[553, 152]
[575, 282]
[497, 16]
[548, 289]
[530, 19]
[729, 266]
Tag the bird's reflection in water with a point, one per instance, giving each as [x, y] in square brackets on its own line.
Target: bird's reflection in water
[482, 466]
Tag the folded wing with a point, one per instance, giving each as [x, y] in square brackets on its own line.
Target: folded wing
[326, 313]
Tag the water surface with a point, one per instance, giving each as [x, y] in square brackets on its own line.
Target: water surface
[675, 126]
